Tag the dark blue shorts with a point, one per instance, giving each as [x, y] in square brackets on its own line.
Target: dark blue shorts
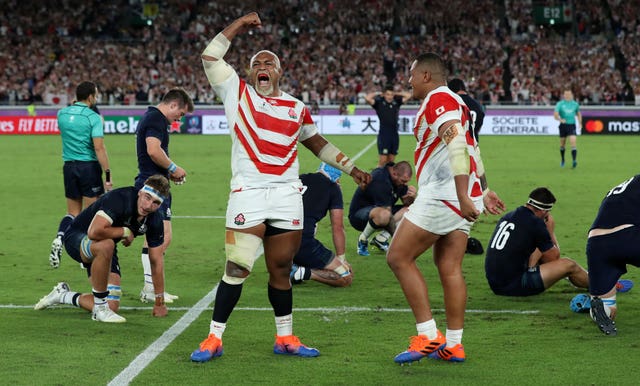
[312, 254]
[608, 256]
[529, 283]
[72, 241]
[567, 129]
[388, 143]
[360, 218]
[82, 179]
[165, 207]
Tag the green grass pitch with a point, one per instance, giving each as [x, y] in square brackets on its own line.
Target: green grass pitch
[535, 340]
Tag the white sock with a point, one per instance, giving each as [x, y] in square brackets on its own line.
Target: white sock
[610, 305]
[299, 274]
[217, 328]
[98, 301]
[146, 267]
[284, 325]
[67, 298]
[427, 328]
[383, 236]
[454, 337]
[367, 232]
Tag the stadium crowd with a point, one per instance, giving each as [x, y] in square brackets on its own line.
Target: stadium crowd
[333, 52]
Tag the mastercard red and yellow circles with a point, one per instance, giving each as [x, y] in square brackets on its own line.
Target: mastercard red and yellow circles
[594, 126]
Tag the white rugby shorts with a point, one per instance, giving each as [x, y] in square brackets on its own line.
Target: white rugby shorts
[279, 206]
[440, 217]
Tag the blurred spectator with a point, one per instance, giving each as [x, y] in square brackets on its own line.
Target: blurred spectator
[331, 50]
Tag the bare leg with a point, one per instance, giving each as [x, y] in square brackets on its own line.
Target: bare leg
[409, 242]
[448, 254]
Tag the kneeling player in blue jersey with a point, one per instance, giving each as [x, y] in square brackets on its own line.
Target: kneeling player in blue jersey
[118, 216]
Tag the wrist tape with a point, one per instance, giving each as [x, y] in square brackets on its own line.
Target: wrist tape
[334, 157]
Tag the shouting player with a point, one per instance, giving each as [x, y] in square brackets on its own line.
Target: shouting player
[265, 205]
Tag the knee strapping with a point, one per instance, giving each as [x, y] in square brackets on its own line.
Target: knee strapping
[242, 249]
[233, 280]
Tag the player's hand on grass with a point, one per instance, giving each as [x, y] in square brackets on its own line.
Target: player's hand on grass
[160, 311]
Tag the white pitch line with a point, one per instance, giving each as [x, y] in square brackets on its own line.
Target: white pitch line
[345, 309]
[366, 148]
[150, 353]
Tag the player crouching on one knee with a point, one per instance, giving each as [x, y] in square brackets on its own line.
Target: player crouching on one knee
[91, 239]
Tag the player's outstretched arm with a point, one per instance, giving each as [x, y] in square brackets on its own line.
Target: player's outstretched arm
[330, 154]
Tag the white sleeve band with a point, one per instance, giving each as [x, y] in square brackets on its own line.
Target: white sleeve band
[104, 215]
[217, 71]
[334, 157]
[218, 46]
[457, 147]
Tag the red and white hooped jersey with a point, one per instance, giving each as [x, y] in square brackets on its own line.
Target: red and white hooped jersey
[265, 132]
[431, 157]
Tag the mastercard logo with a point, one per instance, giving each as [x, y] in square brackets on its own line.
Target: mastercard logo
[594, 126]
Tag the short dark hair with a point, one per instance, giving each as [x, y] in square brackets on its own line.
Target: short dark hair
[457, 84]
[543, 194]
[404, 168]
[180, 96]
[433, 62]
[387, 87]
[85, 90]
[541, 198]
[159, 183]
